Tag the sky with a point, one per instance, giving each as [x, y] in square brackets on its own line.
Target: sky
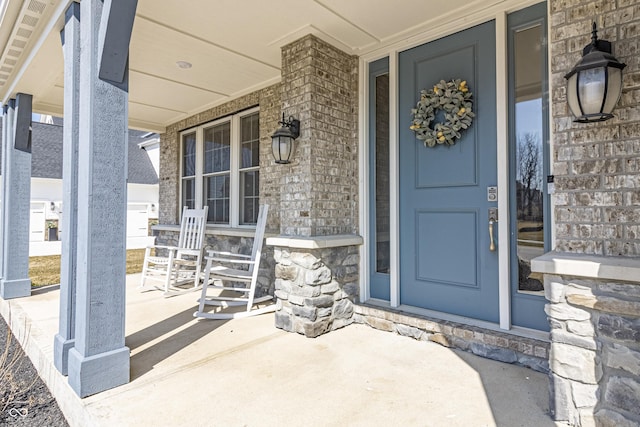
[529, 117]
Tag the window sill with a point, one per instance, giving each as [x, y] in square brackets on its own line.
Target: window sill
[211, 230]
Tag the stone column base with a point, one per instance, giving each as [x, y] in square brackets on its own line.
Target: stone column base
[15, 288]
[93, 374]
[315, 287]
[61, 347]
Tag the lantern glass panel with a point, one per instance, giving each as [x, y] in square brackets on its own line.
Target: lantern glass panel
[291, 147]
[572, 95]
[614, 90]
[281, 147]
[275, 147]
[591, 90]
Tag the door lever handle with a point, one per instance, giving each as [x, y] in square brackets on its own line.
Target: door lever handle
[492, 245]
[493, 218]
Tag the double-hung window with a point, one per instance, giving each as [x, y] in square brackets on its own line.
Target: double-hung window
[220, 168]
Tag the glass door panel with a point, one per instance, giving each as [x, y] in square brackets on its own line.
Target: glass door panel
[529, 154]
[529, 162]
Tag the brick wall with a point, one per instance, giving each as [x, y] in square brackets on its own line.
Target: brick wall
[169, 178]
[597, 166]
[320, 88]
[270, 171]
[317, 193]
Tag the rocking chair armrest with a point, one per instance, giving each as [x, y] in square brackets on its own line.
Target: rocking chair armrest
[230, 260]
[171, 248]
[227, 254]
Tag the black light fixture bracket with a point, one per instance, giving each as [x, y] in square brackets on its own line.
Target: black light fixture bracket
[601, 45]
[292, 124]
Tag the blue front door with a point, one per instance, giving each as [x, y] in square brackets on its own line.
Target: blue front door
[445, 260]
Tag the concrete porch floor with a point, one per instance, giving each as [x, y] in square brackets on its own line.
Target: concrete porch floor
[246, 372]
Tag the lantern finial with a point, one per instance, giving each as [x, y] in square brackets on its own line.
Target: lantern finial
[594, 34]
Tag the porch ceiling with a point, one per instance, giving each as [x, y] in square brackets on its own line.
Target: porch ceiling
[233, 46]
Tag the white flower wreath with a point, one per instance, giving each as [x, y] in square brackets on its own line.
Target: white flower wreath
[456, 100]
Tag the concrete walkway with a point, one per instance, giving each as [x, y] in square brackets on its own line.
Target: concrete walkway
[245, 372]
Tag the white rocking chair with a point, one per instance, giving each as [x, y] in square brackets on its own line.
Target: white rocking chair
[216, 274]
[183, 263]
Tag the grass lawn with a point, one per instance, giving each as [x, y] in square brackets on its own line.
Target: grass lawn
[45, 270]
[535, 232]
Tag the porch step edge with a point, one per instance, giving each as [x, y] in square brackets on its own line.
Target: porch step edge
[504, 347]
[37, 347]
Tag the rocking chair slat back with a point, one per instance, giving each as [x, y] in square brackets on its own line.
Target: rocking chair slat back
[192, 229]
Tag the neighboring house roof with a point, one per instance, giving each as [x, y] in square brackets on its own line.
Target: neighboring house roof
[46, 151]
[46, 154]
[141, 169]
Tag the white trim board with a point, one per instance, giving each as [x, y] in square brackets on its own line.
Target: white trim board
[502, 141]
[363, 179]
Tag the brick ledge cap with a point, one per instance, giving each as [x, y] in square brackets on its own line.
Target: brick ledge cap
[315, 242]
[592, 266]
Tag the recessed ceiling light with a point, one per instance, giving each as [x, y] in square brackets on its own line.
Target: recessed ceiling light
[184, 64]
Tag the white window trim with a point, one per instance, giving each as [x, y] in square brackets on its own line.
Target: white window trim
[234, 166]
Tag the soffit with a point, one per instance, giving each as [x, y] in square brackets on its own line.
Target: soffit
[233, 46]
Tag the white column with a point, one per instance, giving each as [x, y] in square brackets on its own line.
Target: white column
[16, 206]
[65, 338]
[100, 360]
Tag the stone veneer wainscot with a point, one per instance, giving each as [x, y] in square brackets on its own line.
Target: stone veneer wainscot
[316, 282]
[233, 240]
[594, 361]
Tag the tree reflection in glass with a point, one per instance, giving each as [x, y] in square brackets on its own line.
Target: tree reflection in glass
[529, 155]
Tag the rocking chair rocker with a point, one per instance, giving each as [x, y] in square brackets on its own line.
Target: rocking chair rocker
[216, 274]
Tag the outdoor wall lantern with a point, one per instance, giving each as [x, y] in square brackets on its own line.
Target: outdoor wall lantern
[53, 206]
[595, 82]
[282, 140]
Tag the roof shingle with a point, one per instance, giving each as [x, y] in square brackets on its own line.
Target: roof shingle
[46, 154]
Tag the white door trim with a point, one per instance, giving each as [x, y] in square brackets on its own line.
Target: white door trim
[364, 177]
[502, 141]
[394, 182]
